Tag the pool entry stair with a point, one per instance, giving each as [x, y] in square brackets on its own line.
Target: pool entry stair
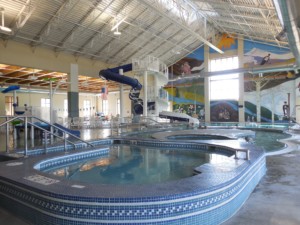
[48, 130]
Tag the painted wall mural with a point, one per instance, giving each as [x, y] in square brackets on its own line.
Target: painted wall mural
[225, 42]
[273, 101]
[256, 54]
[191, 64]
[187, 96]
[274, 86]
[224, 111]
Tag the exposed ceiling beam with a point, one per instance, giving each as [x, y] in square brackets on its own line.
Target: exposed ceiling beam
[237, 5]
[76, 27]
[44, 32]
[185, 27]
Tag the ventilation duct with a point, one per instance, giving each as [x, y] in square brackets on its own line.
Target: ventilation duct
[289, 13]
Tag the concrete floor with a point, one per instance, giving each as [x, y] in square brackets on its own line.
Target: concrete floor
[275, 201]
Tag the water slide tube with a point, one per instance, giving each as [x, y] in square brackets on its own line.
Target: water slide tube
[113, 74]
[11, 88]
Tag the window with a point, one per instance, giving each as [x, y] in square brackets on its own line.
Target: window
[105, 107]
[224, 86]
[9, 100]
[86, 108]
[65, 107]
[45, 106]
[45, 102]
[118, 106]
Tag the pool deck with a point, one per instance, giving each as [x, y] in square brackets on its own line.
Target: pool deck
[276, 200]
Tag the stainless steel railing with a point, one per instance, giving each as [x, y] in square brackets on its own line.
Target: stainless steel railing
[26, 122]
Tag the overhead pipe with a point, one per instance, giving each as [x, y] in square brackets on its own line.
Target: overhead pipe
[289, 12]
[239, 70]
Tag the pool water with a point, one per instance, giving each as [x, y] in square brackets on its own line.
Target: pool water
[198, 137]
[268, 140]
[136, 165]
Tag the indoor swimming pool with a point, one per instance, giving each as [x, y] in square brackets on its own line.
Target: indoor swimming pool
[213, 189]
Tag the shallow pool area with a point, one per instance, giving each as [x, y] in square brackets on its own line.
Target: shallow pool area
[125, 164]
[266, 139]
[269, 141]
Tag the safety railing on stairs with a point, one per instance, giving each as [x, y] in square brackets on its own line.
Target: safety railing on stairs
[27, 120]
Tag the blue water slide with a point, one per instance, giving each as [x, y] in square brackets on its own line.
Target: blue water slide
[11, 88]
[113, 74]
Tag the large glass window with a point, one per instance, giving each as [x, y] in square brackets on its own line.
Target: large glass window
[224, 86]
[45, 112]
[45, 102]
[86, 108]
[65, 107]
[118, 106]
[105, 107]
[9, 100]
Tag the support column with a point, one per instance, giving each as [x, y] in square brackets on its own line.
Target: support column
[51, 113]
[156, 95]
[289, 106]
[273, 105]
[145, 100]
[15, 98]
[206, 85]
[51, 102]
[297, 100]
[258, 102]
[73, 96]
[241, 101]
[122, 115]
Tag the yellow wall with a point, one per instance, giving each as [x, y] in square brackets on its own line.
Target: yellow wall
[15, 53]
[34, 100]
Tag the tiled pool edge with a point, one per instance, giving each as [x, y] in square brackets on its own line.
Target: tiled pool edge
[211, 206]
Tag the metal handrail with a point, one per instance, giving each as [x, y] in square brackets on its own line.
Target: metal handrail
[64, 131]
[26, 122]
[46, 132]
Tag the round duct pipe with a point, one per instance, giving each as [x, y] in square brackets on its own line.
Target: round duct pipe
[290, 17]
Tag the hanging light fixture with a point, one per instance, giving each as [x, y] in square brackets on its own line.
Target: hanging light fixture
[118, 22]
[2, 26]
[117, 32]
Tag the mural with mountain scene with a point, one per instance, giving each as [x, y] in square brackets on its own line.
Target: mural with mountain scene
[266, 114]
[257, 54]
[250, 111]
[187, 96]
[271, 101]
[224, 111]
[191, 64]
